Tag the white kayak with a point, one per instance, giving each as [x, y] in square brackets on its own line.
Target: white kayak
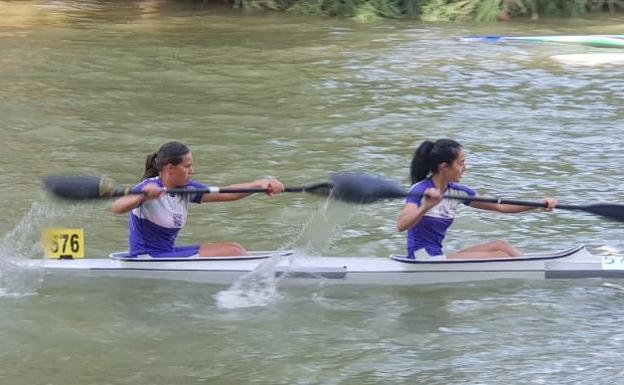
[575, 262]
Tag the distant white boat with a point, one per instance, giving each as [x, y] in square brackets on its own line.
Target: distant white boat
[602, 41]
[590, 59]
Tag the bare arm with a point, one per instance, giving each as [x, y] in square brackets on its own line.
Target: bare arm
[273, 186]
[410, 216]
[129, 202]
[412, 213]
[504, 208]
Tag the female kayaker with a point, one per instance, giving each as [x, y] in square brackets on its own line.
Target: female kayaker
[436, 169]
[157, 217]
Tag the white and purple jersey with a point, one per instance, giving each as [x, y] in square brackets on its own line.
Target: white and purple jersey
[430, 231]
[155, 224]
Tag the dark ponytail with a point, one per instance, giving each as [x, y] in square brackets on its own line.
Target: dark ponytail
[150, 166]
[429, 156]
[420, 162]
[171, 152]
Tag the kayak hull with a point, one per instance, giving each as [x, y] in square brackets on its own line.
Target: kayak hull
[289, 268]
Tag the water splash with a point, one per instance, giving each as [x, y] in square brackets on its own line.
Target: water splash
[608, 250]
[256, 288]
[260, 287]
[323, 228]
[20, 274]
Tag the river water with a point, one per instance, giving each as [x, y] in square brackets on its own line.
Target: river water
[93, 87]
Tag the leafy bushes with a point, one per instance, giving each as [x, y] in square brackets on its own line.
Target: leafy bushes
[440, 10]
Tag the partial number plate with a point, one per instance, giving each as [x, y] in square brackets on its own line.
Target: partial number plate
[610, 262]
[63, 243]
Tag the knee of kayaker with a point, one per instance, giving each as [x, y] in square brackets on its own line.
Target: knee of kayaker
[502, 244]
[237, 247]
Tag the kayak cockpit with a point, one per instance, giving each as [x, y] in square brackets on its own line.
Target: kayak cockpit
[527, 257]
[126, 256]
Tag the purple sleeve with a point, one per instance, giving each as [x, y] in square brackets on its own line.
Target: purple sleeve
[139, 187]
[460, 187]
[465, 189]
[416, 193]
[197, 198]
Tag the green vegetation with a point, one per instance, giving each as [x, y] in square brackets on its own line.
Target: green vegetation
[440, 10]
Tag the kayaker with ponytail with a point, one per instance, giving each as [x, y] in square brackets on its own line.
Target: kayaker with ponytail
[436, 169]
[157, 217]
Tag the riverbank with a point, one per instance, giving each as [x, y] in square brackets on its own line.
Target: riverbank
[441, 10]
[483, 11]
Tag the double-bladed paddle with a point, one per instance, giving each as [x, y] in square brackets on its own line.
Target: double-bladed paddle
[368, 188]
[359, 188]
[92, 187]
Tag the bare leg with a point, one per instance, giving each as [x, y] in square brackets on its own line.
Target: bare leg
[221, 249]
[494, 249]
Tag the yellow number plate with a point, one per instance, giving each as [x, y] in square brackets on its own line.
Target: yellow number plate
[63, 243]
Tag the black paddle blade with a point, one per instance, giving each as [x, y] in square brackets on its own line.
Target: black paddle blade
[607, 210]
[364, 188]
[83, 187]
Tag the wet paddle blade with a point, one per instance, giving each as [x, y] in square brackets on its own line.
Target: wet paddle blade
[364, 188]
[83, 187]
[606, 210]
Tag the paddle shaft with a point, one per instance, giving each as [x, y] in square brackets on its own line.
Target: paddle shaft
[123, 190]
[608, 210]
[514, 202]
[226, 190]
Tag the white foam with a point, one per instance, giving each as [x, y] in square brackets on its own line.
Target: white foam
[19, 276]
[608, 250]
[256, 288]
[261, 286]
